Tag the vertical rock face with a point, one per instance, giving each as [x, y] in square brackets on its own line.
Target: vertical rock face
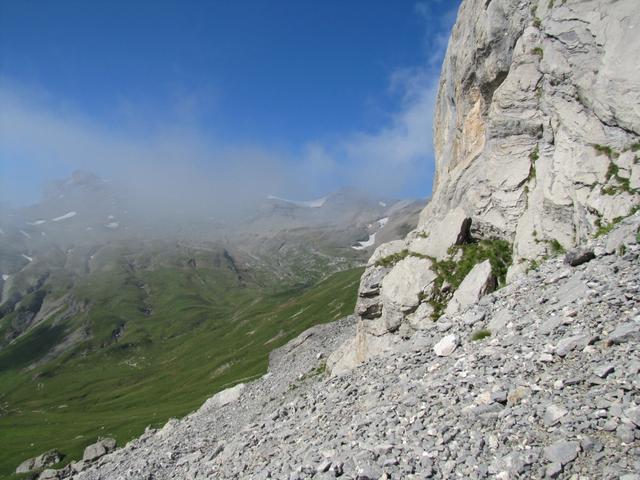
[537, 142]
[538, 120]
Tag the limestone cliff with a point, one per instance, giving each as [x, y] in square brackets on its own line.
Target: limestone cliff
[537, 143]
[538, 115]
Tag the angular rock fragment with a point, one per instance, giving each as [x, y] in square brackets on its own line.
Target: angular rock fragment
[478, 282]
[578, 256]
[553, 414]
[446, 346]
[98, 449]
[626, 332]
[41, 461]
[562, 452]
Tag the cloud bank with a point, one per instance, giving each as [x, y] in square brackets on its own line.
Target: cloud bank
[188, 167]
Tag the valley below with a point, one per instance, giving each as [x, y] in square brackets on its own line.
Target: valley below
[105, 334]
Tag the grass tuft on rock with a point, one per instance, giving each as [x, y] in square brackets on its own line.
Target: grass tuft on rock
[556, 247]
[391, 260]
[462, 258]
[480, 334]
[605, 150]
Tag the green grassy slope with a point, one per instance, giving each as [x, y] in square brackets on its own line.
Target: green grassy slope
[208, 329]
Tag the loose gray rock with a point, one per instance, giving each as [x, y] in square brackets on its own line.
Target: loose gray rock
[553, 414]
[98, 449]
[626, 332]
[48, 474]
[578, 256]
[562, 452]
[41, 461]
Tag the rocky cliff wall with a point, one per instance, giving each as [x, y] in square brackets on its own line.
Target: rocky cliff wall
[538, 120]
[536, 136]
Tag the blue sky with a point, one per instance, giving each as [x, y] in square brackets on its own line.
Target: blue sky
[289, 97]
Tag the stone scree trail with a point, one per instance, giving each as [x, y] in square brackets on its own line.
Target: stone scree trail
[552, 392]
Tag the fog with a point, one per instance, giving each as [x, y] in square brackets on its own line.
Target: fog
[173, 168]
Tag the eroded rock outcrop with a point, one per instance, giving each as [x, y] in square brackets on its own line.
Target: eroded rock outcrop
[46, 459]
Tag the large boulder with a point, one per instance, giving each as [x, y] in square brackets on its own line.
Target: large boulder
[41, 461]
[406, 281]
[401, 291]
[478, 282]
[451, 230]
[625, 235]
[368, 304]
[99, 449]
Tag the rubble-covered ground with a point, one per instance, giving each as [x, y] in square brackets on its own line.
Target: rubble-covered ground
[539, 379]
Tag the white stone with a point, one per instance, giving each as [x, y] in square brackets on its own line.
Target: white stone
[386, 249]
[446, 346]
[225, 397]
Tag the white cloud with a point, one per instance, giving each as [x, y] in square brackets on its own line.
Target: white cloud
[386, 157]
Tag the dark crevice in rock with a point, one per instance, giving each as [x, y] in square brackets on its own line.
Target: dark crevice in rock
[487, 90]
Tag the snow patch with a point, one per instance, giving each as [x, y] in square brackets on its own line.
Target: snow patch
[25, 234]
[362, 245]
[110, 217]
[5, 277]
[64, 217]
[317, 203]
[372, 237]
[382, 204]
[27, 257]
[37, 222]
[112, 225]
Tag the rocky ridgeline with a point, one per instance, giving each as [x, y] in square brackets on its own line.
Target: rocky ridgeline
[540, 379]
